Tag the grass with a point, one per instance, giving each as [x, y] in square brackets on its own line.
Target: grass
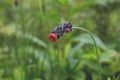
[27, 54]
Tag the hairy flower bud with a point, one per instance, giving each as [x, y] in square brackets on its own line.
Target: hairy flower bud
[67, 27]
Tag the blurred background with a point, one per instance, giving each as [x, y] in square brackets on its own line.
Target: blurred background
[27, 54]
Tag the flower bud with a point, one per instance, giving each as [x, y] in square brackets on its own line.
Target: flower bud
[53, 37]
[67, 27]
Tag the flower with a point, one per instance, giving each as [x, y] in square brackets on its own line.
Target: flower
[59, 31]
[53, 37]
[67, 30]
[67, 27]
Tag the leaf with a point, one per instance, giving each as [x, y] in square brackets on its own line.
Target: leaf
[1, 72]
[32, 38]
[67, 49]
[83, 39]
[80, 76]
[52, 15]
[80, 8]
[86, 39]
[71, 58]
[105, 2]
[63, 2]
[102, 2]
[19, 74]
[36, 79]
[108, 78]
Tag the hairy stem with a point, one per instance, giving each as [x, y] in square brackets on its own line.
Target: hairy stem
[96, 49]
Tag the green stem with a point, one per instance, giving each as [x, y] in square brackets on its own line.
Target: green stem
[96, 49]
[40, 5]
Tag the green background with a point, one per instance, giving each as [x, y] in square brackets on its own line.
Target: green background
[27, 54]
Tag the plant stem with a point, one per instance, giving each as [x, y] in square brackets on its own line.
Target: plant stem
[96, 49]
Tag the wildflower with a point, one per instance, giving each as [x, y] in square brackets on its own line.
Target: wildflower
[67, 27]
[53, 37]
[59, 31]
[56, 34]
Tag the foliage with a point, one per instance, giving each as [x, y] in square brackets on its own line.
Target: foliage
[27, 54]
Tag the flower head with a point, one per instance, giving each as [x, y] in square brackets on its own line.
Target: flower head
[53, 37]
[67, 30]
[67, 27]
[59, 31]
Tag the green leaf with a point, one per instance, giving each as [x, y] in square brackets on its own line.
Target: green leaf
[80, 8]
[102, 2]
[71, 58]
[32, 38]
[80, 76]
[67, 49]
[108, 78]
[19, 74]
[36, 79]
[86, 39]
[63, 2]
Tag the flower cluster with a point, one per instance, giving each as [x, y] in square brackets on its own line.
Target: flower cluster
[59, 31]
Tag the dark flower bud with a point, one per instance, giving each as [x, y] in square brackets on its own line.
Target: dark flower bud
[67, 27]
[59, 31]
